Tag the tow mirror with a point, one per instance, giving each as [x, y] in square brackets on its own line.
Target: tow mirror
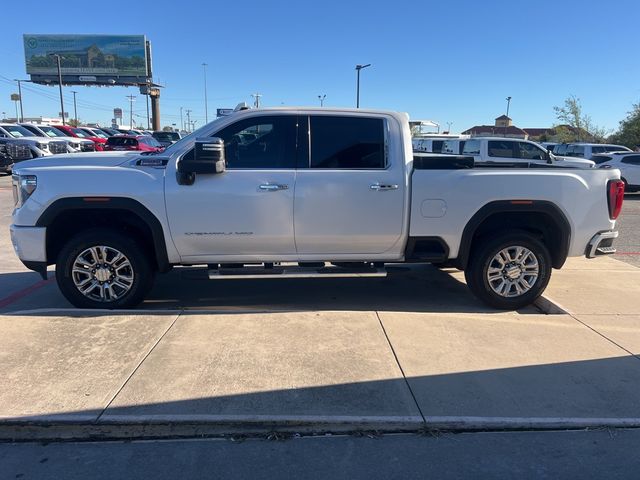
[207, 158]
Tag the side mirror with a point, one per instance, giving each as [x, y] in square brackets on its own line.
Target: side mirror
[207, 158]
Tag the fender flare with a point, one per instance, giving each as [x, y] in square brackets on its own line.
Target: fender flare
[517, 206]
[63, 205]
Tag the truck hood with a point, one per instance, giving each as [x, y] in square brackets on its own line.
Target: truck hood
[89, 159]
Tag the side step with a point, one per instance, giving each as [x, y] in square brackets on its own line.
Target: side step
[294, 271]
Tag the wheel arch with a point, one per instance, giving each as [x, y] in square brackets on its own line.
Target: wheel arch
[120, 212]
[536, 216]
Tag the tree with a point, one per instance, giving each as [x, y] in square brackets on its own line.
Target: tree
[583, 128]
[628, 133]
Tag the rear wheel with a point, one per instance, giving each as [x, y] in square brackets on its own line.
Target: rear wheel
[509, 272]
[103, 269]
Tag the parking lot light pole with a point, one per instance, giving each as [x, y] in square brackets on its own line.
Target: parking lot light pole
[506, 121]
[181, 121]
[358, 68]
[321, 98]
[20, 94]
[206, 108]
[75, 107]
[58, 57]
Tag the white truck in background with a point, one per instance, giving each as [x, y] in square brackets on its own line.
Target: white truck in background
[304, 193]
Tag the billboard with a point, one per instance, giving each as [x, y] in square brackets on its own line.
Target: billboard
[88, 59]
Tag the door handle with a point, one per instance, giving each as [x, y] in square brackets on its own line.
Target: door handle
[383, 186]
[273, 187]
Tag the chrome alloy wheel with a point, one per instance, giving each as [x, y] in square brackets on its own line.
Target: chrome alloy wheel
[513, 271]
[102, 273]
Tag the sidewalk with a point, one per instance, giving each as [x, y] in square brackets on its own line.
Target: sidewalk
[142, 373]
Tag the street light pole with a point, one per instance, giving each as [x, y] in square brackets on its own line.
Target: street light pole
[58, 57]
[358, 68]
[75, 108]
[507, 121]
[449, 126]
[321, 98]
[20, 95]
[181, 121]
[131, 100]
[206, 107]
[189, 120]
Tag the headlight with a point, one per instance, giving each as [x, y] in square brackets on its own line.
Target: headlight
[23, 187]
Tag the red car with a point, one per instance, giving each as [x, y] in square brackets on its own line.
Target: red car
[143, 143]
[99, 142]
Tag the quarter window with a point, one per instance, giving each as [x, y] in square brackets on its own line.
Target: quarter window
[347, 142]
[471, 147]
[631, 160]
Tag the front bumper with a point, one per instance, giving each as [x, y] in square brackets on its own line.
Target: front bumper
[601, 244]
[29, 243]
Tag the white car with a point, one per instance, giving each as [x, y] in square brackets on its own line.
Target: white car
[74, 145]
[627, 162]
[496, 150]
[313, 192]
[586, 150]
[21, 144]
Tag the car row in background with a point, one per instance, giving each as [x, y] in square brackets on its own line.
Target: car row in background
[143, 143]
[586, 150]
[627, 162]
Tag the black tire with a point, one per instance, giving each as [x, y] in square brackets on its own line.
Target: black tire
[139, 265]
[483, 256]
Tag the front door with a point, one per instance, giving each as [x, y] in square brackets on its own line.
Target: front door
[247, 210]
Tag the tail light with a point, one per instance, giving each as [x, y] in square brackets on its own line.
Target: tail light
[615, 197]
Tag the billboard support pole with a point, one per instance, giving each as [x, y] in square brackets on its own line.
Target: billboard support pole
[59, 84]
[20, 94]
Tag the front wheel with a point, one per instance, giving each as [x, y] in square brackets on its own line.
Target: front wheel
[509, 272]
[103, 269]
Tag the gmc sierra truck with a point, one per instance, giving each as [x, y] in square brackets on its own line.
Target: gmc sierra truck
[292, 193]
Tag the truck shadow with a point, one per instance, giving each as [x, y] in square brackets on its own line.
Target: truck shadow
[418, 288]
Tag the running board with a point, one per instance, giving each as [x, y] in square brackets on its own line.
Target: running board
[294, 272]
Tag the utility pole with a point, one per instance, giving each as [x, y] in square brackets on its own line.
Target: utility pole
[147, 97]
[256, 102]
[321, 98]
[206, 108]
[75, 108]
[189, 120]
[358, 68]
[58, 57]
[131, 100]
[20, 94]
[181, 121]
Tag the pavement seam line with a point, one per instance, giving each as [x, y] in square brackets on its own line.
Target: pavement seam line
[133, 372]
[604, 336]
[404, 376]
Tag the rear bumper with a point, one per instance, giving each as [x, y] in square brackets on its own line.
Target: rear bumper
[601, 244]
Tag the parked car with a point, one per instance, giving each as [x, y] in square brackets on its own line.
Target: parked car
[110, 131]
[98, 142]
[74, 144]
[21, 144]
[359, 194]
[586, 150]
[95, 132]
[433, 143]
[627, 162]
[124, 131]
[166, 138]
[6, 162]
[143, 143]
[492, 150]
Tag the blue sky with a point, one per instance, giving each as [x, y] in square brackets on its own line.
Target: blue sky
[450, 61]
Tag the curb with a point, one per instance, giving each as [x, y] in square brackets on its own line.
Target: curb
[550, 307]
[286, 428]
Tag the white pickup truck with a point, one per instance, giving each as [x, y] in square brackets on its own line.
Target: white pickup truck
[281, 193]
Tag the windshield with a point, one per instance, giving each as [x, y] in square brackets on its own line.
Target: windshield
[167, 136]
[80, 133]
[96, 133]
[51, 131]
[17, 131]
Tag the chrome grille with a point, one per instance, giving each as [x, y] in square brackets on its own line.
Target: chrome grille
[19, 151]
[87, 147]
[57, 147]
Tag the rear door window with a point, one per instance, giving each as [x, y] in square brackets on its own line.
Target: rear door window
[598, 159]
[631, 160]
[501, 149]
[347, 142]
[471, 147]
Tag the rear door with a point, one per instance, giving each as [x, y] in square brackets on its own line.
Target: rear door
[349, 197]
